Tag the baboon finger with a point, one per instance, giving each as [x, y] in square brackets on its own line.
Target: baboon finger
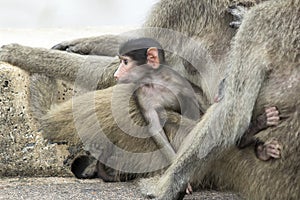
[273, 121]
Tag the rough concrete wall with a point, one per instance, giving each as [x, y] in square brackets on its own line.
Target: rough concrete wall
[23, 151]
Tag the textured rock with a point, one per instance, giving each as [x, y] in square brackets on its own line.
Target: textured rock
[23, 151]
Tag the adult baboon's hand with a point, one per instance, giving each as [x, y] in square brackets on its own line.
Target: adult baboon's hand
[105, 45]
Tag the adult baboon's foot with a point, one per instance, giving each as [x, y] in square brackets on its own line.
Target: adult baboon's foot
[270, 149]
[161, 188]
[147, 187]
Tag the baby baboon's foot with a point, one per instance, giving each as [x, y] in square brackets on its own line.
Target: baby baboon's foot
[270, 149]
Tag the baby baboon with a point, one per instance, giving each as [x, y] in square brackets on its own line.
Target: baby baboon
[158, 87]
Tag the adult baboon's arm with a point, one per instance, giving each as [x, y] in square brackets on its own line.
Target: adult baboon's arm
[85, 70]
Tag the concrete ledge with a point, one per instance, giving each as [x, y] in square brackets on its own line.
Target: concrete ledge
[23, 151]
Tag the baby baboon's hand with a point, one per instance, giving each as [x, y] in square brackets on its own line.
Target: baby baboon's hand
[270, 149]
[269, 118]
[272, 116]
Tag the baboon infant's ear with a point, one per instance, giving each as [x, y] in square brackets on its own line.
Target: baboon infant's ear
[152, 57]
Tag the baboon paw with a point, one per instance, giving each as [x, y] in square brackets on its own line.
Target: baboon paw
[61, 46]
[237, 11]
[270, 149]
[272, 115]
[273, 148]
[72, 47]
[147, 187]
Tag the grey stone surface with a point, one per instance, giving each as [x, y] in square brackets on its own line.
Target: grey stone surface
[23, 151]
[71, 188]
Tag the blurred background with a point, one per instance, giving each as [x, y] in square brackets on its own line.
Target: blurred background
[43, 23]
[72, 13]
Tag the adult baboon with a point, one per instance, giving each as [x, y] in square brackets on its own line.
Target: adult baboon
[264, 70]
